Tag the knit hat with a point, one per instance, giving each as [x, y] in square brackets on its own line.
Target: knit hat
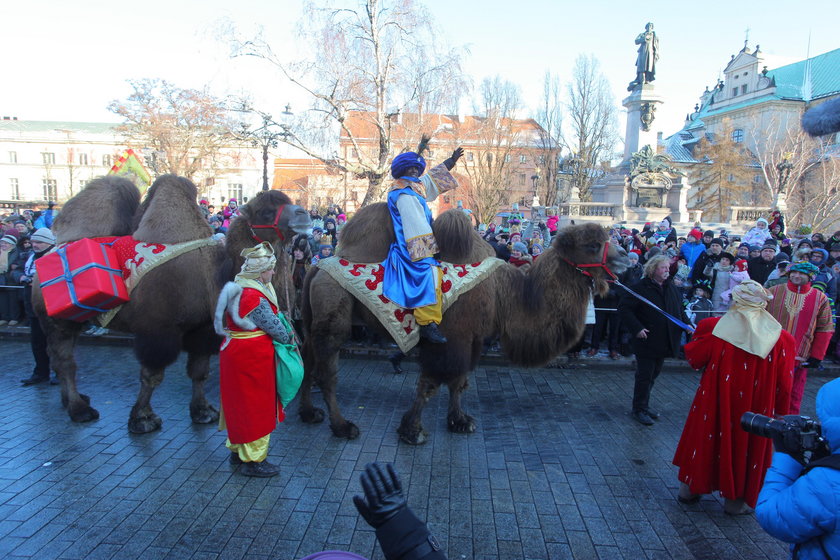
[43, 235]
[705, 286]
[519, 246]
[10, 239]
[709, 233]
[769, 245]
[805, 268]
[741, 265]
[695, 233]
[717, 241]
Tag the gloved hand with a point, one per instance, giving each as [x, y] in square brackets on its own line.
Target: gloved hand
[787, 442]
[453, 159]
[383, 495]
[812, 363]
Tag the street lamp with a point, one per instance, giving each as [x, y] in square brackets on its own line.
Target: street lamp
[268, 135]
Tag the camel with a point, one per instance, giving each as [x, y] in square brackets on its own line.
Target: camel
[537, 316]
[171, 308]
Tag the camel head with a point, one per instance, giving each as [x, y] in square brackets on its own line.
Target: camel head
[587, 247]
[272, 217]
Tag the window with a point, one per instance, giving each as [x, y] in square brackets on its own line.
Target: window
[50, 187]
[354, 153]
[757, 178]
[731, 178]
[235, 191]
[743, 89]
[521, 178]
[469, 156]
[48, 158]
[541, 160]
[523, 159]
[431, 153]
[209, 181]
[107, 160]
[83, 159]
[14, 189]
[734, 91]
[507, 158]
[738, 135]
[12, 157]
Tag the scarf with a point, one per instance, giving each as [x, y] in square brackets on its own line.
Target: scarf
[747, 325]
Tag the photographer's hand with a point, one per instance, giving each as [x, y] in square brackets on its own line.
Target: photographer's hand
[383, 495]
[787, 442]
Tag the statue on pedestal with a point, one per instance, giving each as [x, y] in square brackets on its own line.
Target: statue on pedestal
[646, 60]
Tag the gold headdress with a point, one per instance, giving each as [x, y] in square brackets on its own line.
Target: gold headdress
[257, 260]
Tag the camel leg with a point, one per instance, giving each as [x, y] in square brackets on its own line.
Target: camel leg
[411, 428]
[61, 342]
[143, 419]
[198, 369]
[457, 420]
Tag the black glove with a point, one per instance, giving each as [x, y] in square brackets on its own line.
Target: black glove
[453, 159]
[812, 363]
[383, 495]
[788, 442]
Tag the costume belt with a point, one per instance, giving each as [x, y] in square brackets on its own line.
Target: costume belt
[245, 334]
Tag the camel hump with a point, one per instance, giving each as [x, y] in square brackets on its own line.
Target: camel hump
[368, 235]
[170, 213]
[104, 208]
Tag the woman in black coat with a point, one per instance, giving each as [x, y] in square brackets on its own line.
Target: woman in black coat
[654, 336]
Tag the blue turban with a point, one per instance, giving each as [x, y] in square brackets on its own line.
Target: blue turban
[805, 268]
[404, 161]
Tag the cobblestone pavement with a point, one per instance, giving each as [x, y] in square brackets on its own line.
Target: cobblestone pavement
[557, 469]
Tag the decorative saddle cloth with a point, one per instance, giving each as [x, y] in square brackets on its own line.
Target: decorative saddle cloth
[364, 282]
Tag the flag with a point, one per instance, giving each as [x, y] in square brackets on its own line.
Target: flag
[129, 164]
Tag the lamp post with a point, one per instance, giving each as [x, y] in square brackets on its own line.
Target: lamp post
[268, 135]
[784, 168]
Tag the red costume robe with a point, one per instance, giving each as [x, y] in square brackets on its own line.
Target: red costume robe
[804, 312]
[247, 378]
[714, 452]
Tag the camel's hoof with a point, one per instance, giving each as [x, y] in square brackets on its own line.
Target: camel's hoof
[83, 413]
[461, 424]
[417, 436]
[85, 398]
[204, 414]
[145, 424]
[348, 430]
[312, 415]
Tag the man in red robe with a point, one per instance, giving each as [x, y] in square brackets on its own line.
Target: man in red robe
[246, 315]
[748, 362]
[804, 312]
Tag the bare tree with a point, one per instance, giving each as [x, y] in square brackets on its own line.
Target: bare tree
[592, 123]
[186, 128]
[723, 174]
[377, 60]
[550, 118]
[494, 137]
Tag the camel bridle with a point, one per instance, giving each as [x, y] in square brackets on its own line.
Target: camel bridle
[272, 226]
[602, 265]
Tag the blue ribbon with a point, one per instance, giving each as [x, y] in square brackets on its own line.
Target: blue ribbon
[68, 275]
[667, 315]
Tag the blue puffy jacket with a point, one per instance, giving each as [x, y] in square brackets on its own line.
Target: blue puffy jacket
[804, 510]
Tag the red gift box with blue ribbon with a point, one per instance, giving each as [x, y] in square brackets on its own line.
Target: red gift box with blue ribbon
[81, 280]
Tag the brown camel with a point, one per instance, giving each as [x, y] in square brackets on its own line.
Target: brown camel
[554, 295]
[172, 308]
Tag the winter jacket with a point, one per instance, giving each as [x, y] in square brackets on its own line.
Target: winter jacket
[691, 251]
[806, 510]
[719, 277]
[551, 223]
[757, 236]
[663, 340]
[760, 269]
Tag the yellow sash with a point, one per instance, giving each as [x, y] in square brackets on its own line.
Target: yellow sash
[245, 334]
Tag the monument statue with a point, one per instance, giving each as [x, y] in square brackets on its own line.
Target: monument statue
[646, 60]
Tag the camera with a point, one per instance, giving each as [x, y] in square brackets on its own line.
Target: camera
[801, 429]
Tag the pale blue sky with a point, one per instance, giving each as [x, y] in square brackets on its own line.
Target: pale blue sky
[67, 60]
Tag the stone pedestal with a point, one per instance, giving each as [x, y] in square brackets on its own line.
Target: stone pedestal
[641, 107]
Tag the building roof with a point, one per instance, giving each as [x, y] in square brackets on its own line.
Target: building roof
[49, 126]
[825, 77]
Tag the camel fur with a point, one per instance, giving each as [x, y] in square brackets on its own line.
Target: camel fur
[172, 308]
[553, 296]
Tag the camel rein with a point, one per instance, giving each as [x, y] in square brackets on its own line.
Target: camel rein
[272, 226]
[614, 279]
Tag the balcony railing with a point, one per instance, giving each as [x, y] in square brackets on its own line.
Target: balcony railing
[590, 209]
[747, 214]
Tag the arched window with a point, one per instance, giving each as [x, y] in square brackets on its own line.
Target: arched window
[738, 135]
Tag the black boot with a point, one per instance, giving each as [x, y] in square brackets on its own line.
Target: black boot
[431, 333]
[263, 469]
[396, 361]
[35, 379]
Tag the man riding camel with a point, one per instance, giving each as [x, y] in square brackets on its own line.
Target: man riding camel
[412, 277]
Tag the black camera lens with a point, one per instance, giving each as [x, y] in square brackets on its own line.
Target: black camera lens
[761, 425]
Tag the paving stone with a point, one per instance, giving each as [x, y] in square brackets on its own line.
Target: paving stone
[556, 469]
